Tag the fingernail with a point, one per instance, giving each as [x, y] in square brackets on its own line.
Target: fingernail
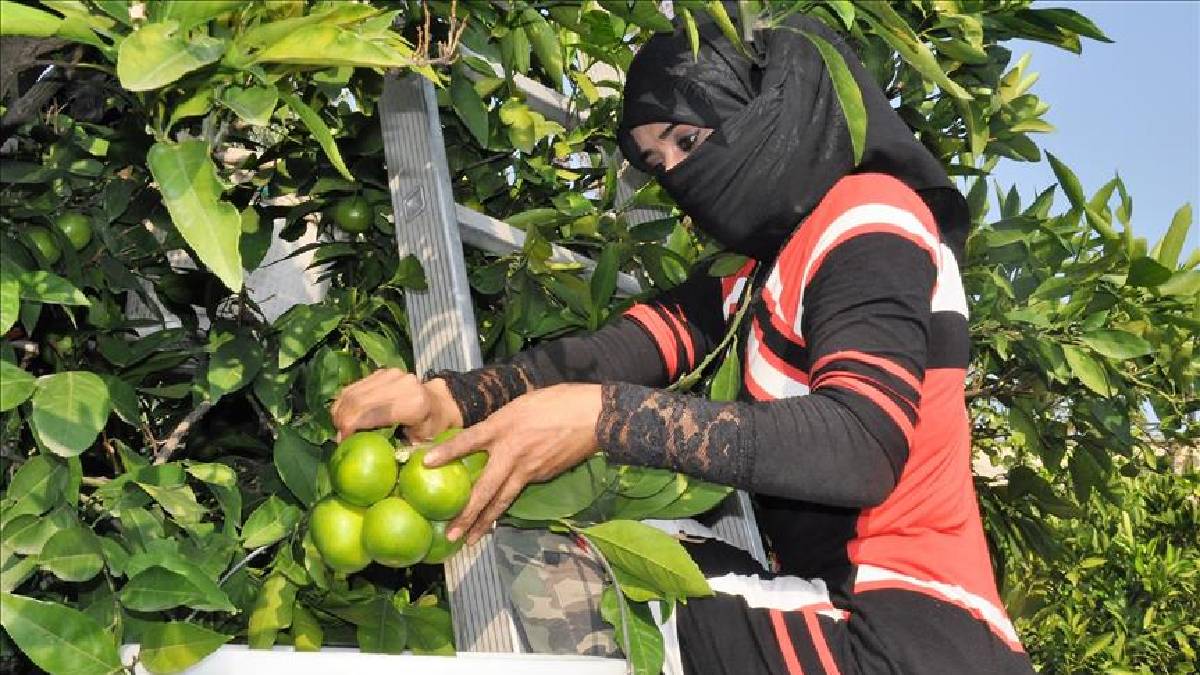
[453, 534]
[432, 458]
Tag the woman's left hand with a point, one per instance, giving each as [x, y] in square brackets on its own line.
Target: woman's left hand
[534, 438]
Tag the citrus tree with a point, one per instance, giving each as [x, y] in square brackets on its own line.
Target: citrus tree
[159, 465]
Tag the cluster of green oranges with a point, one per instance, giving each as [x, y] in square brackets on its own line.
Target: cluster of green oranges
[387, 513]
[75, 226]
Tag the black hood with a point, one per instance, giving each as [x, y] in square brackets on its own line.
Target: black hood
[780, 140]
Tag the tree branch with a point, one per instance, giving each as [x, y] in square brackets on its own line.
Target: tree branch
[163, 454]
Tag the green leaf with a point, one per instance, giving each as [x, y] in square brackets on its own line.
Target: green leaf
[1186, 284]
[180, 502]
[158, 54]
[10, 294]
[604, 280]
[253, 105]
[187, 179]
[47, 287]
[307, 634]
[69, 410]
[72, 554]
[848, 93]
[637, 482]
[727, 381]
[469, 106]
[1069, 182]
[385, 631]
[16, 385]
[177, 645]
[642, 633]
[272, 611]
[700, 497]
[430, 630]
[896, 32]
[189, 13]
[297, 461]
[1172, 242]
[693, 33]
[567, 494]
[716, 10]
[379, 349]
[273, 520]
[646, 507]
[27, 534]
[1117, 344]
[36, 487]
[301, 328]
[327, 44]
[546, 46]
[1089, 371]
[233, 365]
[320, 131]
[19, 19]
[157, 588]
[15, 571]
[58, 639]
[1146, 272]
[649, 554]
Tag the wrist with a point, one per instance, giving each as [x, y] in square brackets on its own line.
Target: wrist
[443, 409]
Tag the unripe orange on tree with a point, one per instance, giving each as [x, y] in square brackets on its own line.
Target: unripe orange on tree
[438, 493]
[77, 228]
[353, 214]
[441, 548]
[394, 534]
[45, 243]
[363, 468]
[336, 527]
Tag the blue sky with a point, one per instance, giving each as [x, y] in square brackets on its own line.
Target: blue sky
[1131, 107]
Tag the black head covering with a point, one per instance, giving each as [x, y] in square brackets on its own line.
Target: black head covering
[780, 140]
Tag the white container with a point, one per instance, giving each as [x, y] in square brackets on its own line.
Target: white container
[241, 660]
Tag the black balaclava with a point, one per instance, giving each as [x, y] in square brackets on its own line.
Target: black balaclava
[780, 140]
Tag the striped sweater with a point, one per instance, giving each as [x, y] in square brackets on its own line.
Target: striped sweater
[851, 431]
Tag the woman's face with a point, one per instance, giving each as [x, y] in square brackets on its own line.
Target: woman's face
[665, 144]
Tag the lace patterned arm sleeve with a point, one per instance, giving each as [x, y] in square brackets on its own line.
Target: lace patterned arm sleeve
[867, 312]
[651, 344]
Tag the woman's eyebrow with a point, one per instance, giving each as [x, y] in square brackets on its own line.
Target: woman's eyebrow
[667, 132]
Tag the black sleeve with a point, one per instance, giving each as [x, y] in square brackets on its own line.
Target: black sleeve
[867, 313]
[651, 345]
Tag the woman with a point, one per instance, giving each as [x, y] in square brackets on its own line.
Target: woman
[852, 432]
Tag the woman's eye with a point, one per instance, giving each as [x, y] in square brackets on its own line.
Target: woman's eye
[688, 142]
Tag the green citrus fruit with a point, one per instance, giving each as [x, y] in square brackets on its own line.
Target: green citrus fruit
[45, 243]
[475, 463]
[439, 493]
[336, 527]
[77, 227]
[394, 534]
[350, 369]
[363, 468]
[441, 548]
[353, 214]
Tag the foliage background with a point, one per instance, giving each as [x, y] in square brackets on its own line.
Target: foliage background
[192, 133]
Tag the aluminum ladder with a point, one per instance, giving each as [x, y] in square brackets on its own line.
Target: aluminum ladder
[431, 226]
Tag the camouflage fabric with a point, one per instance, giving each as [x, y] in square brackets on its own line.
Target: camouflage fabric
[555, 588]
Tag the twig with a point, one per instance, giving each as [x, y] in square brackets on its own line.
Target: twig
[163, 454]
[625, 627]
[233, 570]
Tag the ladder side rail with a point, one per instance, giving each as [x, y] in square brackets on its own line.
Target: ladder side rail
[442, 322]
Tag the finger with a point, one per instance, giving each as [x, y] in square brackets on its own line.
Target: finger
[465, 443]
[494, 476]
[496, 508]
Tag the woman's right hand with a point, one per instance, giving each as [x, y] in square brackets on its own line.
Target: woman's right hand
[393, 396]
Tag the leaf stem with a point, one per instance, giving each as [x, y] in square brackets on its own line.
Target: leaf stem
[625, 627]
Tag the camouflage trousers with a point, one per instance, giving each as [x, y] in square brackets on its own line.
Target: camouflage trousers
[555, 587]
